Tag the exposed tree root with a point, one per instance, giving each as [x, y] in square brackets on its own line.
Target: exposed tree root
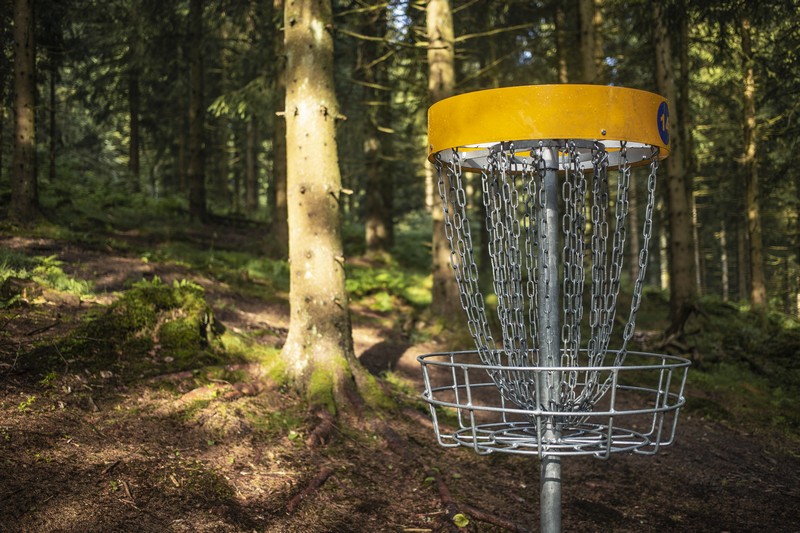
[312, 486]
[322, 432]
[453, 508]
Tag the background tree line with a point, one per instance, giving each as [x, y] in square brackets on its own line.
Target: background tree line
[182, 104]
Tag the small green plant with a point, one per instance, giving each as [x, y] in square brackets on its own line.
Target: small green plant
[48, 379]
[26, 404]
[461, 520]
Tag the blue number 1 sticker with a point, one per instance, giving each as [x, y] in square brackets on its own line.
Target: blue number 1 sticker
[663, 122]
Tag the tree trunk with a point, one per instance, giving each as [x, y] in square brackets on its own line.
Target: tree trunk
[586, 10]
[280, 229]
[52, 112]
[796, 243]
[251, 170]
[319, 347]
[758, 290]
[133, 105]
[562, 50]
[742, 262]
[601, 72]
[723, 262]
[2, 133]
[196, 173]
[182, 140]
[378, 186]
[24, 187]
[682, 289]
[441, 84]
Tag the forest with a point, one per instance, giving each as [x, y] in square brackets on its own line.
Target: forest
[223, 249]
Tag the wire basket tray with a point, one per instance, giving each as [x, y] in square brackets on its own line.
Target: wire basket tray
[638, 413]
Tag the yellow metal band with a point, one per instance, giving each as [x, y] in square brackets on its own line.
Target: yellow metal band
[549, 112]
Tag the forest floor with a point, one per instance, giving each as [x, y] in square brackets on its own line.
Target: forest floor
[135, 442]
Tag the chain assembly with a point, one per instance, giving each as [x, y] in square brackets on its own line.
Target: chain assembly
[556, 231]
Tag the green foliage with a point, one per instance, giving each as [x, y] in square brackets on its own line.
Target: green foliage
[384, 283]
[748, 369]
[412, 241]
[45, 271]
[152, 328]
[248, 271]
[26, 403]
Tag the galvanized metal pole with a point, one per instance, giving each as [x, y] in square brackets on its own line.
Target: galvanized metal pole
[550, 350]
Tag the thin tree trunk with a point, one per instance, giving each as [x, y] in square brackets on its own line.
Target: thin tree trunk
[196, 174]
[742, 261]
[663, 249]
[682, 289]
[697, 247]
[234, 164]
[601, 74]
[586, 9]
[2, 134]
[133, 105]
[378, 186]
[758, 290]
[561, 43]
[218, 142]
[797, 239]
[52, 125]
[251, 171]
[280, 228]
[24, 187]
[683, 127]
[182, 140]
[723, 262]
[319, 347]
[441, 84]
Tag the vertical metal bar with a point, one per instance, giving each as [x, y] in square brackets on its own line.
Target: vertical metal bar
[550, 336]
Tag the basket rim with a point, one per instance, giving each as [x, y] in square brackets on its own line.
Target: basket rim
[667, 361]
[542, 112]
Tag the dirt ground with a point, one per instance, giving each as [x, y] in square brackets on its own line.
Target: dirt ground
[84, 451]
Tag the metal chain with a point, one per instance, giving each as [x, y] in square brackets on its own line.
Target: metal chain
[514, 198]
[462, 258]
[573, 227]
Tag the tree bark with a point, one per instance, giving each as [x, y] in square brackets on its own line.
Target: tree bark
[51, 173]
[681, 255]
[441, 84]
[601, 74]
[758, 290]
[24, 186]
[2, 133]
[280, 228]
[133, 147]
[251, 170]
[586, 10]
[196, 171]
[319, 347]
[378, 189]
[742, 263]
[723, 262]
[561, 43]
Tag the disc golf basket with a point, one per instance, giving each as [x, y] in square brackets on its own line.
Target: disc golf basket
[554, 165]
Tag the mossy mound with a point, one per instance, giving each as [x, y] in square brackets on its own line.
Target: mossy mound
[151, 329]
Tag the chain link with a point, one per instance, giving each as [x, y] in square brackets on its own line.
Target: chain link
[514, 195]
